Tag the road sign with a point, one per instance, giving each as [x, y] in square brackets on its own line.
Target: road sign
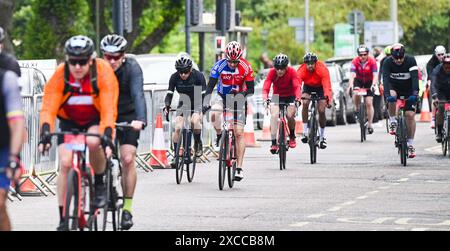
[344, 41]
[379, 33]
[358, 17]
[299, 24]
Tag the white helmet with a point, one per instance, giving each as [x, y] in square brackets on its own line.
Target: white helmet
[439, 50]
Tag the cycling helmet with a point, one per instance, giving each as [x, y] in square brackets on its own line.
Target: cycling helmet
[113, 44]
[310, 57]
[387, 50]
[362, 48]
[398, 51]
[439, 50]
[233, 51]
[183, 63]
[79, 46]
[2, 35]
[281, 60]
[446, 59]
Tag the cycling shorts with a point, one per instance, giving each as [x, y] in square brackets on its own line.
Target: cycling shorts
[239, 108]
[67, 126]
[127, 136]
[359, 84]
[4, 159]
[309, 90]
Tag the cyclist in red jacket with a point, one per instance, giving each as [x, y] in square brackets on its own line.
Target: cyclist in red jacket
[286, 89]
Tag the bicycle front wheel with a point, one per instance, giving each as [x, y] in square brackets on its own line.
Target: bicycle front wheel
[223, 158]
[72, 203]
[179, 160]
[362, 121]
[233, 157]
[191, 169]
[313, 140]
[282, 146]
[403, 141]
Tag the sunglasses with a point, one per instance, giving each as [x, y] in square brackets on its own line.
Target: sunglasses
[440, 55]
[279, 68]
[185, 72]
[111, 57]
[80, 62]
[363, 55]
[233, 61]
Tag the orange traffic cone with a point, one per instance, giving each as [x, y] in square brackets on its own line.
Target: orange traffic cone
[425, 114]
[249, 130]
[298, 123]
[159, 151]
[27, 187]
[266, 128]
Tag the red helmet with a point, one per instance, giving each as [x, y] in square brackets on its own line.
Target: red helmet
[233, 51]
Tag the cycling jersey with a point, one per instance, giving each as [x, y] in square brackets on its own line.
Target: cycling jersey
[320, 77]
[131, 102]
[432, 63]
[440, 83]
[364, 71]
[10, 104]
[232, 80]
[193, 87]
[401, 78]
[105, 102]
[286, 86]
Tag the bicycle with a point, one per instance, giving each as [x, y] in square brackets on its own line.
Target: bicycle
[362, 116]
[283, 130]
[113, 174]
[228, 150]
[313, 136]
[79, 198]
[446, 130]
[401, 135]
[183, 154]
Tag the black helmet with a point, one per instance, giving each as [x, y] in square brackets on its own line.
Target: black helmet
[79, 46]
[362, 48]
[2, 35]
[398, 51]
[184, 62]
[113, 44]
[310, 57]
[281, 60]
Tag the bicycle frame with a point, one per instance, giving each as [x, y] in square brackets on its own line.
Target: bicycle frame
[283, 132]
[401, 135]
[361, 92]
[313, 137]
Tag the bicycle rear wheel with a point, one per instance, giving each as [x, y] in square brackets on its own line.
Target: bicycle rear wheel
[72, 202]
[223, 157]
[232, 169]
[191, 169]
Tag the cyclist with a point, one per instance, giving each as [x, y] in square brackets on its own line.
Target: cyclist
[434, 61]
[364, 74]
[7, 61]
[286, 89]
[236, 83]
[12, 129]
[131, 109]
[191, 85]
[440, 91]
[316, 78]
[400, 78]
[83, 93]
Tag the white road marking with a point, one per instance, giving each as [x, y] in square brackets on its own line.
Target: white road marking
[362, 197]
[402, 221]
[434, 149]
[414, 174]
[384, 188]
[299, 224]
[381, 220]
[316, 216]
[348, 203]
[373, 192]
[334, 209]
[395, 184]
[444, 223]
[419, 229]
[403, 180]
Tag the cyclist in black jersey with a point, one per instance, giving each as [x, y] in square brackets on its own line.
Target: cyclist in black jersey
[434, 61]
[440, 92]
[7, 61]
[401, 78]
[131, 109]
[191, 86]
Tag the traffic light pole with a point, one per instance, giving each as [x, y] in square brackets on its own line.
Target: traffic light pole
[188, 24]
[118, 16]
[223, 24]
[355, 29]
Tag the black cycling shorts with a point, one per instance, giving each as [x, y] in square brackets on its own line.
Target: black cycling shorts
[359, 84]
[409, 105]
[317, 90]
[127, 136]
[67, 126]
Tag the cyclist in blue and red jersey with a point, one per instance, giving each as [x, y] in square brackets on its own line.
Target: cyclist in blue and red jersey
[235, 79]
[286, 89]
[364, 74]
